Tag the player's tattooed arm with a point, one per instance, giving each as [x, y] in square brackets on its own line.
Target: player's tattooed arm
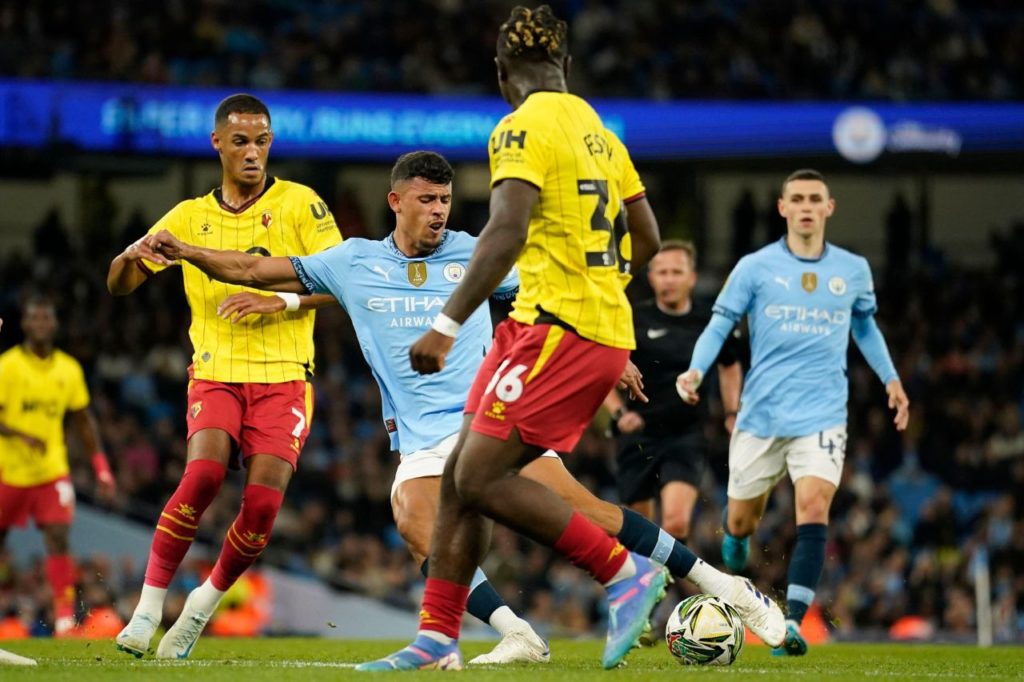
[234, 267]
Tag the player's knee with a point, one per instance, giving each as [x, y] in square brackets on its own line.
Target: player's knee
[260, 505]
[56, 541]
[741, 526]
[471, 487]
[813, 510]
[205, 481]
[677, 525]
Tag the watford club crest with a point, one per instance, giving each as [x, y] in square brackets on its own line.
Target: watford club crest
[255, 538]
[417, 273]
[267, 219]
[809, 281]
[196, 408]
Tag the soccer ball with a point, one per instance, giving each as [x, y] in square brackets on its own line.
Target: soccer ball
[704, 630]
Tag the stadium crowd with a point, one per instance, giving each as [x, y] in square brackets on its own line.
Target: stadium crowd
[736, 49]
[909, 519]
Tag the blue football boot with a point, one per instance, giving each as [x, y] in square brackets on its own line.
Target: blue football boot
[423, 654]
[630, 603]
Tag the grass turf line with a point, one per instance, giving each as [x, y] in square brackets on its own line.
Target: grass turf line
[311, 660]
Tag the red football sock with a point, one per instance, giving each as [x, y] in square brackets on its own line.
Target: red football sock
[443, 605]
[587, 546]
[176, 528]
[247, 537]
[60, 573]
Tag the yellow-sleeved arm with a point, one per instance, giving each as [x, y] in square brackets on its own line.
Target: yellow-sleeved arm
[518, 150]
[315, 223]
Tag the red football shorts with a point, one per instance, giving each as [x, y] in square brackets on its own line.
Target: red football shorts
[263, 419]
[544, 381]
[47, 503]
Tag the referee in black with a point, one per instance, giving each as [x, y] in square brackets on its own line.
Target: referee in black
[662, 448]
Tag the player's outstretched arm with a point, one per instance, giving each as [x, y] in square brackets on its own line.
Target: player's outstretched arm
[126, 273]
[233, 267]
[496, 252]
[237, 306]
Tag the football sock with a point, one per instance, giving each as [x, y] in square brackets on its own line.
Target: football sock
[247, 537]
[444, 603]
[176, 528]
[639, 534]
[206, 597]
[151, 602]
[60, 573]
[805, 568]
[484, 603]
[588, 547]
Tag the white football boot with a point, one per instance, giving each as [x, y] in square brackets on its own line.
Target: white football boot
[758, 612]
[184, 634]
[518, 646]
[135, 637]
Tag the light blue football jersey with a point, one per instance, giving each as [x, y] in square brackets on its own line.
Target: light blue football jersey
[392, 300]
[798, 311]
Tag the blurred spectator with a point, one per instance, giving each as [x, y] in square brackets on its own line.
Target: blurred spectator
[737, 49]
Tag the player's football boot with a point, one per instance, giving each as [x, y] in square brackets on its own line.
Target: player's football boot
[135, 637]
[794, 644]
[423, 654]
[519, 646]
[735, 552]
[184, 634]
[630, 603]
[758, 612]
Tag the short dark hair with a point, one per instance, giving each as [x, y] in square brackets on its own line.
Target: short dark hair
[685, 246]
[534, 35]
[38, 300]
[240, 103]
[802, 174]
[430, 166]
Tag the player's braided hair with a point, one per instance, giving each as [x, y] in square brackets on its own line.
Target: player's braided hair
[534, 35]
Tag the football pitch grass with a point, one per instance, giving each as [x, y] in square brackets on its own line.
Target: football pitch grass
[308, 660]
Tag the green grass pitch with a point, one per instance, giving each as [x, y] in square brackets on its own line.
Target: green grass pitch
[308, 660]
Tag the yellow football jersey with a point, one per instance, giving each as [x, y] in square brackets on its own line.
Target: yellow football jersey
[571, 267]
[35, 394]
[288, 219]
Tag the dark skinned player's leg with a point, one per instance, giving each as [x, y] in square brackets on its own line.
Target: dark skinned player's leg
[482, 476]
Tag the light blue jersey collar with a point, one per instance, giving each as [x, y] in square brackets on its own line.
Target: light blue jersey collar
[389, 242]
[785, 247]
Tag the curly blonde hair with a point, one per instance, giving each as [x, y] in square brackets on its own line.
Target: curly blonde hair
[534, 35]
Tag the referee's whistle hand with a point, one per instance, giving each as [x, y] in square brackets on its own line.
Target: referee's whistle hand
[428, 353]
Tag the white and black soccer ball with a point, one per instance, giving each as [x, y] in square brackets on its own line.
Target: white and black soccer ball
[704, 630]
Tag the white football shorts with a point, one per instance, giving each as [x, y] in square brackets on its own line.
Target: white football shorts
[430, 462]
[756, 464]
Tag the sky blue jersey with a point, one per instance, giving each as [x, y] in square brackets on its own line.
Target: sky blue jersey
[799, 312]
[392, 300]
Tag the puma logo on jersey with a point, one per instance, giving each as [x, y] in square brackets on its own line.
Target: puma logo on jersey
[386, 274]
[653, 334]
[784, 281]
